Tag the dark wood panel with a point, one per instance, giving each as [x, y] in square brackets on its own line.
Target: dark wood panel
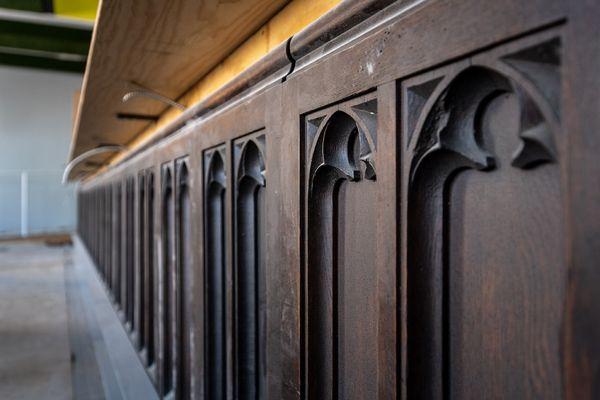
[141, 267]
[150, 272]
[216, 302]
[418, 236]
[167, 295]
[249, 277]
[117, 260]
[582, 123]
[181, 344]
[486, 268]
[341, 285]
[130, 277]
[109, 234]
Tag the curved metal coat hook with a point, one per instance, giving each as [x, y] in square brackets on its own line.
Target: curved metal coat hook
[87, 154]
[152, 95]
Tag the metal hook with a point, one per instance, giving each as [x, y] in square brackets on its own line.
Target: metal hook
[152, 95]
[87, 154]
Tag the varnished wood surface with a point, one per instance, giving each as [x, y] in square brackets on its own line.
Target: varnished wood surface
[582, 323]
[163, 46]
[424, 196]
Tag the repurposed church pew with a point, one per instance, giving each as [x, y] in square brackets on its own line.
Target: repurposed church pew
[409, 209]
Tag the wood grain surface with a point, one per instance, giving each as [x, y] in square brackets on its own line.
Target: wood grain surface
[165, 46]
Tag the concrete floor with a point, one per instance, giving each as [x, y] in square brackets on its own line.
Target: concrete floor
[34, 333]
[60, 337]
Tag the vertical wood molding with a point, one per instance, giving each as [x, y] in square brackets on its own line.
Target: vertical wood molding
[215, 274]
[451, 134]
[117, 245]
[249, 276]
[141, 270]
[150, 266]
[181, 344]
[341, 149]
[130, 252]
[166, 298]
[582, 122]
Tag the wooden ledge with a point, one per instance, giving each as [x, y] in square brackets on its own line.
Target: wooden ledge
[298, 29]
[164, 47]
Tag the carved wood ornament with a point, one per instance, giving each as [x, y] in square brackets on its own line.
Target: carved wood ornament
[150, 289]
[181, 348]
[141, 260]
[342, 146]
[117, 233]
[446, 134]
[167, 265]
[215, 252]
[250, 297]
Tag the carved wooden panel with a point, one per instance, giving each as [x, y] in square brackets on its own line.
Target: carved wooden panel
[109, 233]
[215, 189]
[431, 227]
[100, 236]
[100, 249]
[96, 233]
[486, 267]
[124, 250]
[98, 244]
[104, 222]
[249, 278]
[149, 267]
[116, 265]
[167, 264]
[341, 342]
[98, 220]
[141, 260]
[101, 231]
[181, 348]
[129, 252]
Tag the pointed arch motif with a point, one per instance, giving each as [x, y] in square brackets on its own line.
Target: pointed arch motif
[215, 350]
[250, 294]
[150, 289]
[341, 151]
[141, 260]
[167, 268]
[183, 266]
[449, 137]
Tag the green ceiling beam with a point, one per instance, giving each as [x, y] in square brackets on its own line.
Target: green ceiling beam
[40, 29]
[28, 5]
[19, 60]
[41, 41]
[29, 36]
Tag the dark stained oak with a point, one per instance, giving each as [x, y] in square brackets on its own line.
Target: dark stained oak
[167, 292]
[482, 116]
[340, 286]
[215, 342]
[181, 332]
[249, 276]
[411, 214]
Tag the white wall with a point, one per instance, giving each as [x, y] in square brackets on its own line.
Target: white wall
[35, 131]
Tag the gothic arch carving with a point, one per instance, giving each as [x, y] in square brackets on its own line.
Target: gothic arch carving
[117, 242]
[167, 268]
[448, 138]
[250, 297]
[215, 274]
[151, 288]
[342, 152]
[181, 348]
[141, 259]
